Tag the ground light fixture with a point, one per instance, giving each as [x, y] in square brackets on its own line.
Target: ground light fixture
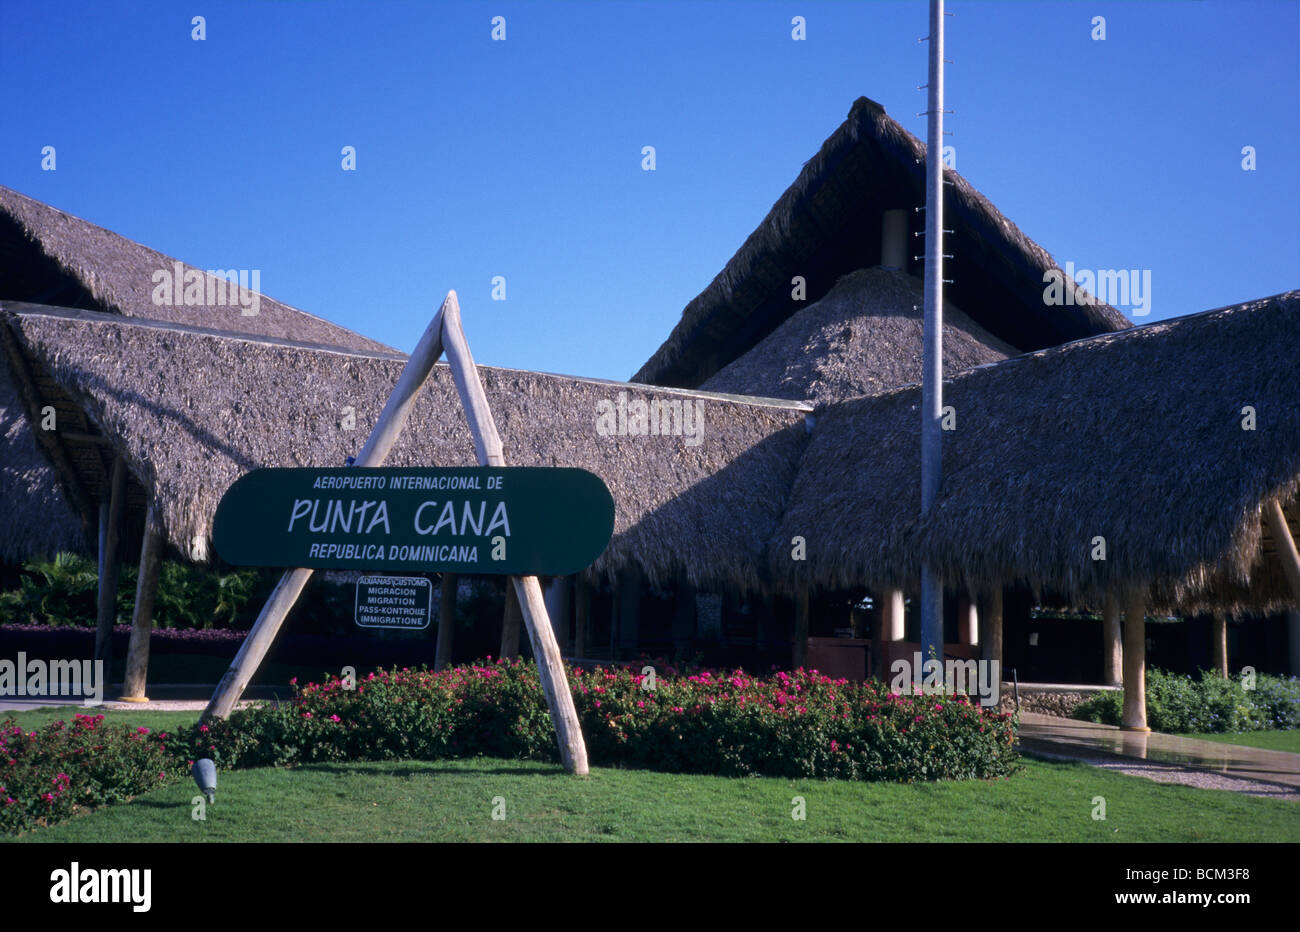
[205, 775]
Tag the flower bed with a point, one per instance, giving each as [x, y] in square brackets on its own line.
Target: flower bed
[47, 775]
[798, 724]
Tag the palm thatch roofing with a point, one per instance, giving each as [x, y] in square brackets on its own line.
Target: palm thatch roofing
[191, 410]
[29, 487]
[863, 337]
[53, 258]
[1136, 437]
[828, 223]
[48, 256]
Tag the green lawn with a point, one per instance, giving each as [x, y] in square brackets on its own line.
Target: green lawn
[1269, 740]
[453, 801]
[166, 721]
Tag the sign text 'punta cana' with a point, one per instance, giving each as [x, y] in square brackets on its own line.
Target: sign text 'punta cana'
[516, 521]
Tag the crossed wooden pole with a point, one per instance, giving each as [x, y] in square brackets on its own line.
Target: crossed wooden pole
[444, 333]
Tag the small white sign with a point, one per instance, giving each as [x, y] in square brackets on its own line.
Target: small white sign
[404, 602]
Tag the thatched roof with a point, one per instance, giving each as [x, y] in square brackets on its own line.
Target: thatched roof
[828, 223]
[863, 337]
[53, 258]
[1135, 436]
[191, 411]
[48, 256]
[29, 487]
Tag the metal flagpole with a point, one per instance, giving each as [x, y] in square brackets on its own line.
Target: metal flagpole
[932, 353]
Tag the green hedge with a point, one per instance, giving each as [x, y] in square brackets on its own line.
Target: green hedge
[1178, 703]
[63, 592]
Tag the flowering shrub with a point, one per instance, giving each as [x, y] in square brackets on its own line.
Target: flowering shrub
[1212, 704]
[49, 774]
[800, 724]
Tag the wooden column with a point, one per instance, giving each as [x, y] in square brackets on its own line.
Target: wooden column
[799, 656]
[446, 621]
[146, 586]
[1293, 641]
[990, 622]
[1112, 649]
[557, 607]
[510, 625]
[581, 616]
[895, 627]
[1219, 641]
[683, 616]
[1135, 652]
[615, 604]
[876, 654]
[968, 621]
[110, 517]
[629, 611]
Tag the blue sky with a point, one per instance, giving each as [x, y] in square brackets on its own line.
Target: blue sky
[522, 158]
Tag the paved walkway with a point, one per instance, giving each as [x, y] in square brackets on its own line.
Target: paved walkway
[1165, 758]
[162, 697]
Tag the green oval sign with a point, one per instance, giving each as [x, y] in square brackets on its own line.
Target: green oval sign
[509, 520]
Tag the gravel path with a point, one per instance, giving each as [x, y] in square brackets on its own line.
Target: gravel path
[1187, 776]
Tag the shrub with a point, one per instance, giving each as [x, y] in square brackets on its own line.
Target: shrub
[797, 725]
[64, 591]
[61, 591]
[48, 775]
[1214, 704]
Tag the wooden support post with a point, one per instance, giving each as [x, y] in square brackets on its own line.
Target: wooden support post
[1219, 640]
[1285, 543]
[146, 586]
[1112, 647]
[629, 611]
[109, 561]
[894, 618]
[446, 621]
[615, 603]
[546, 651]
[877, 634]
[1293, 640]
[1135, 652]
[968, 622]
[799, 656]
[683, 616]
[557, 609]
[581, 616]
[990, 623]
[510, 625]
[385, 433]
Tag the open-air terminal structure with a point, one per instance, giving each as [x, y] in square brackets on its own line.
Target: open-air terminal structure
[764, 462]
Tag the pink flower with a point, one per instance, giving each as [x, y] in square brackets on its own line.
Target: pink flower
[335, 718]
[203, 728]
[306, 715]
